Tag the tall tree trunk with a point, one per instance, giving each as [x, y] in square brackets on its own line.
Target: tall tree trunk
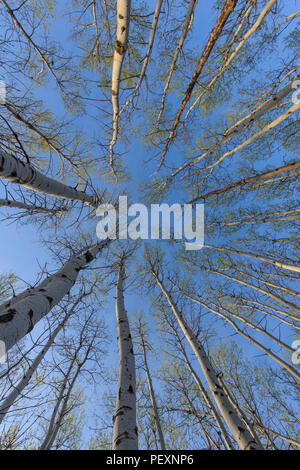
[21, 314]
[243, 124]
[246, 36]
[250, 179]
[148, 54]
[240, 433]
[185, 29]
[28, 207]
[204, 393]
[217, 30]
[14, 170]
[152, 395]
[125, 429]
[123, 22]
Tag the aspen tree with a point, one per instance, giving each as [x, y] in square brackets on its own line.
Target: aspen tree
[125, 429]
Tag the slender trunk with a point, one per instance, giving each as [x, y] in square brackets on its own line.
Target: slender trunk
[243, 124]
[18, 389]
[241, 434]
[14, 170]
[185, 29]
[148, 54]
[265, 259]
[123, 22]
[240, 411]
[27, 207]
[247, 303]
[294, 308]
[216, 32]
[205, 395]
[250, 179]
[52, 434]
[59, 400]
[267, 351]
[125, 429]
[265, 218]
[246, 36]
[20, 316]
[152, 397]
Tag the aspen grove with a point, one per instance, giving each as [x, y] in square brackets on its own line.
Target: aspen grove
[167, 342]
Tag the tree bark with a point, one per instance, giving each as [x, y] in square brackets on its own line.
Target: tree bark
[185, 29]
[240, 433]
[125, 429]
[152, 396]
[16, 171]
[148, 53]
[21, 314]
[123, 22]
[250, 179]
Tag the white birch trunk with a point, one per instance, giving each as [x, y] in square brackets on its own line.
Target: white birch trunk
[22, 314]
[14, 170]
[123, 22]
[240, 433]
[125, 436]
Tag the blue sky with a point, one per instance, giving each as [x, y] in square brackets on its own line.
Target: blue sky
[21, 250]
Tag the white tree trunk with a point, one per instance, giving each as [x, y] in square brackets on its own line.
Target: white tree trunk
[20, 315]
[125, 429]
[123, 22]
[14, 170]
[240, 433]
